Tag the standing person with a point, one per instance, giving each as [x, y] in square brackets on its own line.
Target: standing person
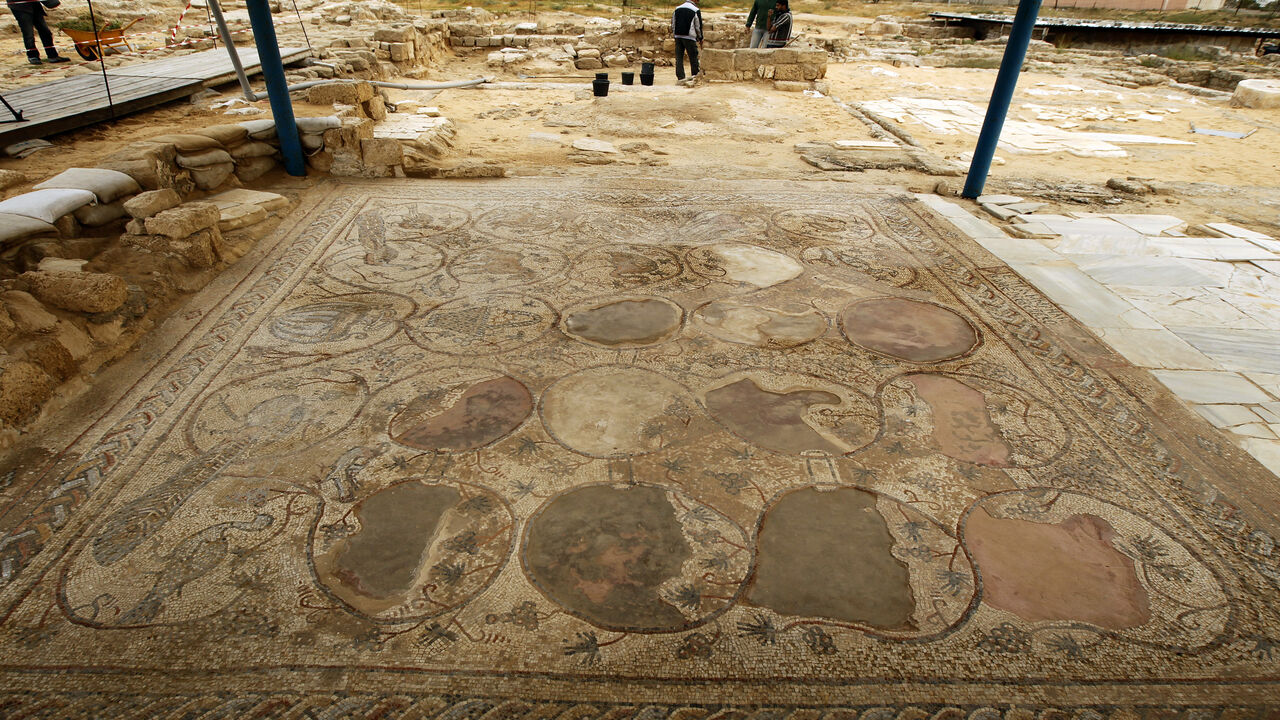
[30, 16]
[686, 26]
[780, 26]
[759, 15]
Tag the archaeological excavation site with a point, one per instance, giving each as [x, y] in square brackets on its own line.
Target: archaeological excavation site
[626, 360]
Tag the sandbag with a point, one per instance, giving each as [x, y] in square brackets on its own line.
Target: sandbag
[254, 148]
[211, 176]
[96, 215]
[107, 185]
[250, 169]
[48, 205]
[204, 159]
[318, 124]
[228, 136]
[16, 227]
[187, 143]
[260, 129]
[312, 141]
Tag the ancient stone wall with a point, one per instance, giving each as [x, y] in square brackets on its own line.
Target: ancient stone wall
[789, 64]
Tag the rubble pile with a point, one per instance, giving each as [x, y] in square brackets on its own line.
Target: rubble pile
[92, 256]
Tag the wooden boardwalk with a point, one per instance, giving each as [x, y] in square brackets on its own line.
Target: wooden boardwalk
[75, 102]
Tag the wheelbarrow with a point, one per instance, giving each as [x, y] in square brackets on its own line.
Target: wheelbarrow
[92, 48]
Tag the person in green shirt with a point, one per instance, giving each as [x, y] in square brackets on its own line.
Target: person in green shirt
[760, 10]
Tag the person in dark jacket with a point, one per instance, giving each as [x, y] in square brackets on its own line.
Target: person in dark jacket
[759, 16]
[780, 26]
[686, 26]
[30, 16]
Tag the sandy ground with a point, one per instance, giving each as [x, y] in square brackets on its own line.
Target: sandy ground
[744, 130]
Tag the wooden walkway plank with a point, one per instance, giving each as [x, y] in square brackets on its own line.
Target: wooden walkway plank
[212, 66]
[81, 100]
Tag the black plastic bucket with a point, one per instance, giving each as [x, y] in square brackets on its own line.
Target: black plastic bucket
[628, 78]
[646, 73]
[600, 86]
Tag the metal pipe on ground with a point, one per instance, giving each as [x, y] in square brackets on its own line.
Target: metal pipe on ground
[1015, 51]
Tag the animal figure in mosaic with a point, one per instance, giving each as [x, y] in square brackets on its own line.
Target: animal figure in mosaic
[129, 526]
[344, 476]
[192, 559]
[373, 237]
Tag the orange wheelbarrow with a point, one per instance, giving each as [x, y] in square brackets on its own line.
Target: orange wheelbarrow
[91, 48]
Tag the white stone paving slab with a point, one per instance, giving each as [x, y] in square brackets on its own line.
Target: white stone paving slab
[1086, 226]
[1221, 249]
[1160, 349]
[1187, 307]
[1102, 245]
[1251, 350]
[1229, 230]
[1204, 386]
[1152, 271]
[1022, 250]
[1225, 416]
[1266, 452]
[1083, 297]
[1149, 224]
[1031, 230]
[1267, 381]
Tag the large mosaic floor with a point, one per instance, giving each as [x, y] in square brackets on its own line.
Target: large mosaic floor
[617, 448]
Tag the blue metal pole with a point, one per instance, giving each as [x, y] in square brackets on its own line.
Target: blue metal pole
[1015, 51]
[264, 36]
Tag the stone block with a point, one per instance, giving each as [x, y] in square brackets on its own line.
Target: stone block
[748, 59]
[202, 249]
[401, 52]
[242, 196]
[24, 387]
[588, 64]
[783, 56]
[238, 216]
[810, 71]
[394, 34]
[28, 315]
[716, 60]
[381, 151]
[589, 53]
[788, 72]
[85, 292]
[348, 136]
[184, 220]
[817, 56]
[198, 250]
[146, 204]
[791, 85]
[343, 93]
[346, 163]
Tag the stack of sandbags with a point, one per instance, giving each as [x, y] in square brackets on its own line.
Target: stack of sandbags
[35, 213]
[204, 158]
[109, 187]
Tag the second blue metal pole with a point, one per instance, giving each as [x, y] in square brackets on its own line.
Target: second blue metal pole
[264, 36]
[1015, 51]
